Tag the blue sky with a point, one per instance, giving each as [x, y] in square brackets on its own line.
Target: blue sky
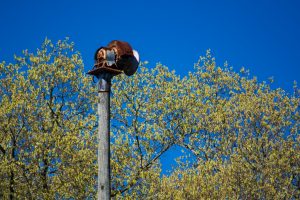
[261, 35]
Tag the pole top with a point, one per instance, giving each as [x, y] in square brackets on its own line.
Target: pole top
[104, 82]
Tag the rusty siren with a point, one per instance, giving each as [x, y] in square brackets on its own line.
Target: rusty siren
[116, 58]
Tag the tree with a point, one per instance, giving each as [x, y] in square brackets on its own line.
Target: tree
[242, 135]
[48, 128]
[46, 134]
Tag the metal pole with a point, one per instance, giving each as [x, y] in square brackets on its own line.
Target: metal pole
[104, 137]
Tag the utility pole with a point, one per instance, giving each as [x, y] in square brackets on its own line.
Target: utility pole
[104, 136]
[118, 57]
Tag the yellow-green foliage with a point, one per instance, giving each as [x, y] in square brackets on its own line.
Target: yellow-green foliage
[242, 135]
[47, 135]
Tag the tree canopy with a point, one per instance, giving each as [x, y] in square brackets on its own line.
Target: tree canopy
[240, 136]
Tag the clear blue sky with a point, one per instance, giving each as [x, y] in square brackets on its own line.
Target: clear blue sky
[262, 35]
